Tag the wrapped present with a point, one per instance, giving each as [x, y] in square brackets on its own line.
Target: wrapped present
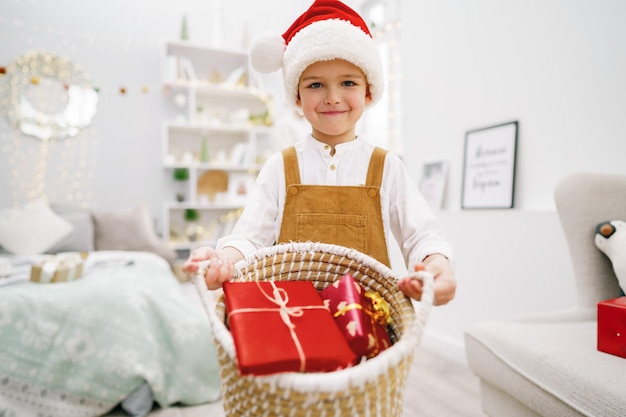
[57, 268]
[283, 327]
[612, 326]
[361, 315]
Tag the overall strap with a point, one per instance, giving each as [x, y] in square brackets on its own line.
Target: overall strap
[375, 169]
[292, 171]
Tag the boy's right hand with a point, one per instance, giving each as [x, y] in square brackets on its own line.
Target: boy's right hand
[219, 270]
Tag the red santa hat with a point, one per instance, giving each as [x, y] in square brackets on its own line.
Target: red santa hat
[327, 30]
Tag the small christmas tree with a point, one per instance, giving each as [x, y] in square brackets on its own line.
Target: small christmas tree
[184, 34]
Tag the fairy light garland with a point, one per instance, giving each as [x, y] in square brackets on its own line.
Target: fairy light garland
[34, 92]
[388, 38]
[70, 178]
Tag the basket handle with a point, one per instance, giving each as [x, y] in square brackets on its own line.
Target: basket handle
[428, 297]
[219, 329]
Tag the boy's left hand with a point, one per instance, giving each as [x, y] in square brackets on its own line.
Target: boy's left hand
[445, 283]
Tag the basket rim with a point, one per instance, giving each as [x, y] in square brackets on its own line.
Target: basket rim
[316, 247]
[366, 371]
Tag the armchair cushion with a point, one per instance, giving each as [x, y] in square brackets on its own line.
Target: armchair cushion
[551, 366]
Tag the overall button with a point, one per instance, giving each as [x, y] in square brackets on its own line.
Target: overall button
[293, 190]
[372, 193]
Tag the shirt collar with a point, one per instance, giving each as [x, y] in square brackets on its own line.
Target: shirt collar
[342, 147]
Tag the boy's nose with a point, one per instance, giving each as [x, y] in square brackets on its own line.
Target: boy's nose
[333, 96]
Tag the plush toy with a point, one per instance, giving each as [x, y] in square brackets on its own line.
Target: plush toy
[611, 240]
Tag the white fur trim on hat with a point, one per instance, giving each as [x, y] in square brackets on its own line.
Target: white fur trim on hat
[323, 40]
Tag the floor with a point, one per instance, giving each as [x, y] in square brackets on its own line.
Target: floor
[436, 387]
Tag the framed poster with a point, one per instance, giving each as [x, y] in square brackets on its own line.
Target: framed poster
[433, 183]
[489, 167]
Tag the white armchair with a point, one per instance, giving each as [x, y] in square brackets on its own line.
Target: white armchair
[547, 364]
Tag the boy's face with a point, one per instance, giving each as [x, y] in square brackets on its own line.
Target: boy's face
[333, 95]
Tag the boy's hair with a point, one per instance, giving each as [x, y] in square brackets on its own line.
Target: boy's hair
[327, 30]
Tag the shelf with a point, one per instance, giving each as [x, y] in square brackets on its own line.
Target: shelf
[206, 166]
[219, 90]
[200, 206]
[191, 245]
[221, 140]
[226, 57]
[207, 128]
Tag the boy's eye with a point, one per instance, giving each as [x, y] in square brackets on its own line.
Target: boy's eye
[315, 85]
[348, 83]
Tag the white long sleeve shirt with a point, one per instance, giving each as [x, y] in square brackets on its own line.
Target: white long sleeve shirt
[405, 213]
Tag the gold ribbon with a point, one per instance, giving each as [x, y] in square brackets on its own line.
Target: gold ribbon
[345, 309]
[281, 299]
[53, 266]
[380, 313]
[380, 308]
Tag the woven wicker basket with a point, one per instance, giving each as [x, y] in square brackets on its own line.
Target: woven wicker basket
[372, 388]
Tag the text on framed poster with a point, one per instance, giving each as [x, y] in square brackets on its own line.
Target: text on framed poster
[489, 166]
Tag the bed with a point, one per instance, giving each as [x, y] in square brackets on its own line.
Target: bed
[125, 334]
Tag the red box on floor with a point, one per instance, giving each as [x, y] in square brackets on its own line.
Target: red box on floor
[612, 326]
[283, 327]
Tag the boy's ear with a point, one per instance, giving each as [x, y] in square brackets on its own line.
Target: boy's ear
[368, 95]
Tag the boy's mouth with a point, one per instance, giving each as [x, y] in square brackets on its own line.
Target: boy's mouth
[333, 113]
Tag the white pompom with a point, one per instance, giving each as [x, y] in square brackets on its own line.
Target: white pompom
[266, 52]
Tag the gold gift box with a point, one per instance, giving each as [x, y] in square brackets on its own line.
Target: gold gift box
[58, 268]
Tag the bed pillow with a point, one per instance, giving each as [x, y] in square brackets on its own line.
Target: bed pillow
[32, 229]
[129, 229]
[82, 237]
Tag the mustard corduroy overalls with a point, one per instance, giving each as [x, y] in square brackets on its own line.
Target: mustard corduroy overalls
[349, 216]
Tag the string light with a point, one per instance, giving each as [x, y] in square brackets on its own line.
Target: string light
[387, 35]
[88, 40]
[69, 179]
[32, 97]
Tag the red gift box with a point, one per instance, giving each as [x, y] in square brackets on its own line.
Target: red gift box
[361, 315]
[612, 326]
[283, 327]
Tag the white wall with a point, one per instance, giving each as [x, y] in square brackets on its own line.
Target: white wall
[117, 43]
[557, 66]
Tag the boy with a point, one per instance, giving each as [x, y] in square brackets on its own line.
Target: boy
[333, 186]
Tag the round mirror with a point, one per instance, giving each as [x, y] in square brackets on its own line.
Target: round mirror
[48, 96]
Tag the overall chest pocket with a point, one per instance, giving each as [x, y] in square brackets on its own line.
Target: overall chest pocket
[349, 230]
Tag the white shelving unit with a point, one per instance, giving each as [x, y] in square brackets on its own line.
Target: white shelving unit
[220, 139]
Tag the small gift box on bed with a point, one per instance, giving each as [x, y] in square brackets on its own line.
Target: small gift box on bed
[361, 315]
[57, 268]
[612, 326]
[283, 327]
